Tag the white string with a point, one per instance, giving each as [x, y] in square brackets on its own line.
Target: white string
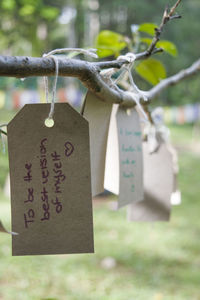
[136, 94]
[157, 132]
[130, 58]
[54, 87]
[46, 83]
[152, 141]
[1, 137]
[51, 54]
[89, 52]
[46, 89]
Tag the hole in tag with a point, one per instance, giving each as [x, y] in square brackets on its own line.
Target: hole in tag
[49, 122]
[128, 111]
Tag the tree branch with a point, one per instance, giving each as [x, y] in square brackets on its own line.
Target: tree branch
[87, 72]
[25, 66]
[183, 74]
[167, 16]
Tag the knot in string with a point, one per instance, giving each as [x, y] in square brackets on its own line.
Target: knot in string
[129, 57]
[136, 93]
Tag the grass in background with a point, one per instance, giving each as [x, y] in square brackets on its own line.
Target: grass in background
[133, 261]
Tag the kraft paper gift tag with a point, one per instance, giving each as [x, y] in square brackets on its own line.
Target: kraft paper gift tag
[124, 165]
[50, 181]
[98, 114]
[158, 187]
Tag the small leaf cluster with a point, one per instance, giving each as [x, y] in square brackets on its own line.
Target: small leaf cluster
[110, 43]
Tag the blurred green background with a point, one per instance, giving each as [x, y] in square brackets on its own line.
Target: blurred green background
[133, 261]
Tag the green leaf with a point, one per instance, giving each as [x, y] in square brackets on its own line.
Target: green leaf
[146, 41]
[49, 12]
[106, 51]
[148, 28]
[151, 70]
[168, 46]
[8, 4]
[109, 43]
[27, 10]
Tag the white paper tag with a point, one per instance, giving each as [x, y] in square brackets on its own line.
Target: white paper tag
[98, 114]
[111, 180]
[124, 166]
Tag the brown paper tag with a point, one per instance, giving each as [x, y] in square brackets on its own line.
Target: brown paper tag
[124, 165]
[158, 187]
[50, 181]
[98, 114]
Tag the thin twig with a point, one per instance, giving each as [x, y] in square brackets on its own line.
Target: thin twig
[146, 109]
[1, 130]
[146, 54]
[167, 16]
[172, 10]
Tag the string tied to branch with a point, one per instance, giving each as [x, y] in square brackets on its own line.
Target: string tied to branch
[134, 92]
[52, 54]
[2, 132]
